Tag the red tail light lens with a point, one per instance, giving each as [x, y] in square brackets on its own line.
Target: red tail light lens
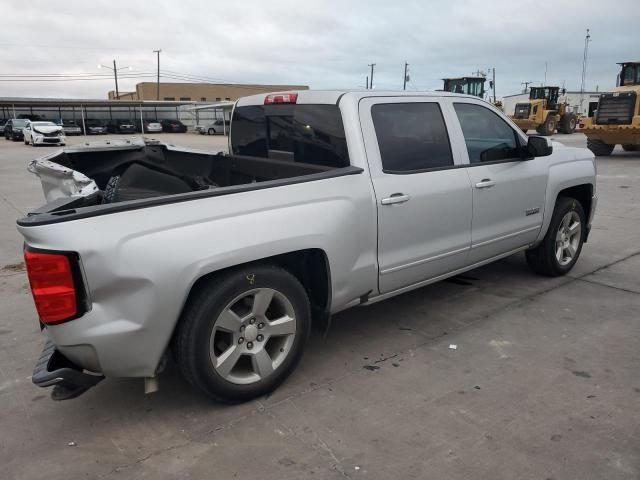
[52, 285]
[280, 98]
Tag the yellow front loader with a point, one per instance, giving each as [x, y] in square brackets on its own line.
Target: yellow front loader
[545, 113]
[617, 119]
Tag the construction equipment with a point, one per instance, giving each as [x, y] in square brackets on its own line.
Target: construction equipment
[545, 113]
[617, 119]
[465, 85]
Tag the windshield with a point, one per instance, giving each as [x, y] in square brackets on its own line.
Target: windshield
[630, 75]
[467, 86]
[20, 123]
[298, 133]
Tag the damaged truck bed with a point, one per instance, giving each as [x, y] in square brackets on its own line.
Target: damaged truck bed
[144, 172]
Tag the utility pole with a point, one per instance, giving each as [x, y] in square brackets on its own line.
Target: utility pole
[158, 82]
[367, 83]
[526, 86]
[404, 85]
[115, 74]
[587, 39]
[545, 73]
[371, 78]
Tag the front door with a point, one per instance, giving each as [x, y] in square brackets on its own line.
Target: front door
[423, 197]
[508, 191]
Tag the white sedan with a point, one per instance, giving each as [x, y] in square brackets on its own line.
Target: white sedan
[43, 133]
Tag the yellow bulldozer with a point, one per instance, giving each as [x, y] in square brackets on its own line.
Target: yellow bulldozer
[617, 118]
[545, 113]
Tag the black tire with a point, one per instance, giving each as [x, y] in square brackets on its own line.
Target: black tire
[211, 131]
[599, 148]
[568, 123]
[631, 148]
[110, 189]
[191, 340]
[548, 128]
[542, 259]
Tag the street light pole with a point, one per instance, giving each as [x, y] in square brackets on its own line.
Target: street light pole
[404, 85]
[371, 78]
[115, 74]
[158, 82]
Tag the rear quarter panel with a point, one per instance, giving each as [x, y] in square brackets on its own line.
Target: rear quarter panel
[140, 264]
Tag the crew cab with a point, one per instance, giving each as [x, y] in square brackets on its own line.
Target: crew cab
[325, 201]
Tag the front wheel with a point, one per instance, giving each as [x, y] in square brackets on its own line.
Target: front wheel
[631, 148]
[211, 131]
[548, 128]
[562, 244]
[599, 148]
[243, 332]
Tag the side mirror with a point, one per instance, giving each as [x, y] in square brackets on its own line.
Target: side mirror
[539, 146]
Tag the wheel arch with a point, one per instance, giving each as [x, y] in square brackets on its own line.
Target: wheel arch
[310, 266]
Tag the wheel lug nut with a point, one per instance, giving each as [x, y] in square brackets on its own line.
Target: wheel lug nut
[261, 325]
[241, 340]
[249, 345]
[252, 321]
[260, 338]
[242, 328]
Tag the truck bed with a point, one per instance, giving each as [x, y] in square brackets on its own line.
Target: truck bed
[111, 176]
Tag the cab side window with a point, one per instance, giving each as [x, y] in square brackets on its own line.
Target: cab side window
[412, 137]
[487, 136]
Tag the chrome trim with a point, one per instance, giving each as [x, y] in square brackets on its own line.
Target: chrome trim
[423, 260]
[453, 273]
[504, 237]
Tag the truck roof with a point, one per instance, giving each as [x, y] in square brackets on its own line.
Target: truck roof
[332, 96]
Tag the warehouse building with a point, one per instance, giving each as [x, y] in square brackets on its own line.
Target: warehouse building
[198, 92]
[589, 103]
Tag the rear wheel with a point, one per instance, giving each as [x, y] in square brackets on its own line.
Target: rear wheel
[562, 244]
[631, 148]
[243, 332]
[599, 148]
[548, 128]
[211, 131]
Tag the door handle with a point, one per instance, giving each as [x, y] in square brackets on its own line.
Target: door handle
[485, 183]
[395, 198]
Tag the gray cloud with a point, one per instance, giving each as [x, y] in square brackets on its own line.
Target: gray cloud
[323, 44]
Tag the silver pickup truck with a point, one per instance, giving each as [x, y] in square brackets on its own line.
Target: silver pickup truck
[326, 200]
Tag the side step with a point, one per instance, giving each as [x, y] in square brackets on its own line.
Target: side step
[68, 380]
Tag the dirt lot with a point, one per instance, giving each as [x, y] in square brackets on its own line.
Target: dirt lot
[543, 384]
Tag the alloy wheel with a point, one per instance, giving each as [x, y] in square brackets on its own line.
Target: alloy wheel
[252, 336]
[568, 238]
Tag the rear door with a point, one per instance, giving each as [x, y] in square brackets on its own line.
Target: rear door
[423, 194]
[508, 189]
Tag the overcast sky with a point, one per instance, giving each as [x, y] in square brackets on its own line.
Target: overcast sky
[321, 44]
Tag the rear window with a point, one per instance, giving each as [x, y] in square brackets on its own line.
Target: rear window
[412, 137]
[299, 133]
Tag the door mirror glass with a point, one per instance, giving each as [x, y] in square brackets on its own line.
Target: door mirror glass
[539, 146]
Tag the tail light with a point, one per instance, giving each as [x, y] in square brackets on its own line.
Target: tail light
[55, 284]
[280, 98]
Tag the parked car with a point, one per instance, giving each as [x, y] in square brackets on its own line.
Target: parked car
[2, 122]
[13, 128]
[226, 259]
[95, 127]
[121, 126]
[173, 126]
[150, 126]
[70, 127]
[216, 127]
[44, 133]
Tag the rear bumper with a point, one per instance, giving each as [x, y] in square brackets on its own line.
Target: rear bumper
[68, 380]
